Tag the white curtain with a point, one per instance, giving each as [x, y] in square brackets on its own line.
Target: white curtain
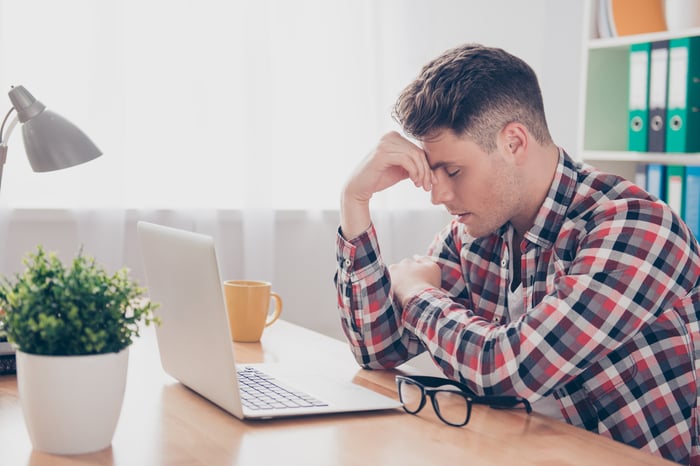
[239, 118]
[294, 249]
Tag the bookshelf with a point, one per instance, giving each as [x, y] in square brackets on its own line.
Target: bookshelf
[602, 135]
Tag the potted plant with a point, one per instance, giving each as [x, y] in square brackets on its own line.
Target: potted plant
[72, 328]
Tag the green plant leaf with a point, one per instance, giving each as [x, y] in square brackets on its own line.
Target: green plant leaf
[53, 310]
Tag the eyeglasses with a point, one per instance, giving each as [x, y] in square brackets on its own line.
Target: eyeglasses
[452, 401]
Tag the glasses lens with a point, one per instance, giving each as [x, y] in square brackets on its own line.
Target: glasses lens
[411, 396]
[452, 407]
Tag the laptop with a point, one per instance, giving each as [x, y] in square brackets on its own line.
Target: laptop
[194, 339]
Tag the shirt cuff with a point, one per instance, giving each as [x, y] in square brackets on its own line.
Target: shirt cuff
[358, 257]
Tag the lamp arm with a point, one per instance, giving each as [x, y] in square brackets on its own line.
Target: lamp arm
[2, 127]
[4, 139]
[3, 157]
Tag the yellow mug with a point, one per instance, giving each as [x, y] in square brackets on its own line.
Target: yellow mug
[248, 306]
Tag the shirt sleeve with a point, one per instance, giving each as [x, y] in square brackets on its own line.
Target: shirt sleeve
[628, 267]
[371, 320]
[369, 317]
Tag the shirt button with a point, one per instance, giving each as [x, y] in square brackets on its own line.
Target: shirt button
[496, 320]
[504, 263]
[347, 263]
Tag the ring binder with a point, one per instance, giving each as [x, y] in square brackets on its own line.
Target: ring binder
[683, 132]
[638, 101]
[658, 77]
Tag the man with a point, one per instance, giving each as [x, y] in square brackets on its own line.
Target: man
[554, 282]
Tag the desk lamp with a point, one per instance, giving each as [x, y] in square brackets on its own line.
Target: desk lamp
[50, 141]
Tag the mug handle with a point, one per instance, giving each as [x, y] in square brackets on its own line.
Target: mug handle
[278, 309]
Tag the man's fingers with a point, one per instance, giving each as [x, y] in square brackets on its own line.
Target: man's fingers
[411, 157]
[422, 175]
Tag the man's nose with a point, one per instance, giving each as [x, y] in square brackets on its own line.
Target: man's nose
[441, 193]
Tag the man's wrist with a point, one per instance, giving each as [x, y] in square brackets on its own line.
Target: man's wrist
[354, 217]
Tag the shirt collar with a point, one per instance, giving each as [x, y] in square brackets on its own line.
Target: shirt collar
[552, 214]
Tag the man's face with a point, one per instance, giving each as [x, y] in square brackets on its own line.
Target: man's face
[481, 190]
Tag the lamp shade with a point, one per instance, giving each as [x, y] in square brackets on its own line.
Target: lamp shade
[50, 141]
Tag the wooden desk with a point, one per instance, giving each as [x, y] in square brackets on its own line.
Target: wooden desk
[162, 422]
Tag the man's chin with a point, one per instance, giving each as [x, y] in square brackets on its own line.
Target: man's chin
[477, 231]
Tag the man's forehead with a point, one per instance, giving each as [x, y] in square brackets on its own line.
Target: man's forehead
[444, 148]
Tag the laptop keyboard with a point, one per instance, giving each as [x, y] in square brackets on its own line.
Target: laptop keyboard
[260, 391]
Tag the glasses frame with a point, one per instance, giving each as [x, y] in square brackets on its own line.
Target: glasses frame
[431, 386]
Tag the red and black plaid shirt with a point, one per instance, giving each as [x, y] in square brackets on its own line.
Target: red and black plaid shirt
[610, 282]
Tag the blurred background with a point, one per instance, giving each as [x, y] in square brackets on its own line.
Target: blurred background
[242, 120]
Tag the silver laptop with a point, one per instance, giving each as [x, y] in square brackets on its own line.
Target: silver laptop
[195, 345]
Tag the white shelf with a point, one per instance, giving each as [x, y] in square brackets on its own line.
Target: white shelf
[642, 157]
[625, 41]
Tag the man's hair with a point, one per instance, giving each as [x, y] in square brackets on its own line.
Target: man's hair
[474, 91]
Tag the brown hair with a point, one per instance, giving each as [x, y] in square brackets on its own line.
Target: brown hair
[475, 91]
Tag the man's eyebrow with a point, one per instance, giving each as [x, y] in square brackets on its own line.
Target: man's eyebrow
[437, 165]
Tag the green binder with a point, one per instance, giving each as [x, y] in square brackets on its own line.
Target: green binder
[638, 100]
[683, 129]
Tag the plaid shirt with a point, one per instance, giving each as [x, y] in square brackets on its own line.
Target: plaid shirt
[610, 278]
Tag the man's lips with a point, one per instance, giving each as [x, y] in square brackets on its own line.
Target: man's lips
[460, 215]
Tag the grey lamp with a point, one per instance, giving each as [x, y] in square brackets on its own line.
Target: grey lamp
[50, 141]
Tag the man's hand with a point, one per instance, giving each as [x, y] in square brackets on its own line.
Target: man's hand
[394, 159]
[411, 276]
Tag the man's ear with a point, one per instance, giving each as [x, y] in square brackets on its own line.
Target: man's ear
[515, 138]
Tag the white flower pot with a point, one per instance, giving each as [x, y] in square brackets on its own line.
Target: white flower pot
[71, 404]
